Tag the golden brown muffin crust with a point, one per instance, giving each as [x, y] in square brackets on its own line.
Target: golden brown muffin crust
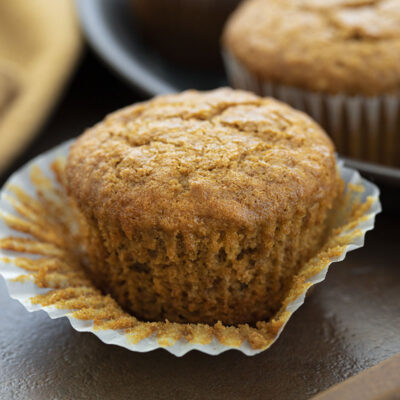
[334, 46]
[178, 161]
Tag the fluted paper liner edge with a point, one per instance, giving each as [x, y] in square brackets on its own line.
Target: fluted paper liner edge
[17, 245]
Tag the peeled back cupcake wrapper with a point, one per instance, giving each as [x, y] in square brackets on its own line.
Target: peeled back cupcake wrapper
[36, 263]
[361, 127]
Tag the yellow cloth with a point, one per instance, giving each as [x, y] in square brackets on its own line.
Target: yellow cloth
[39, 46]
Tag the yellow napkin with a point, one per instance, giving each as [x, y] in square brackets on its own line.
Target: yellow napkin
[39, 46]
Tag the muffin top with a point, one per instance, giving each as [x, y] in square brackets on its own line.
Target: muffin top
[333, 46]
[185, 161]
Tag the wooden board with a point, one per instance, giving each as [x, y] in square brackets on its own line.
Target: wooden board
[381, 382]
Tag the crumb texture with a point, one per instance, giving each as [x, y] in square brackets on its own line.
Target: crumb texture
[201, 207]
[334, 46]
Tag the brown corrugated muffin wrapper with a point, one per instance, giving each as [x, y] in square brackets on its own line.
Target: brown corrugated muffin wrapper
[366, 128]
[43, 263]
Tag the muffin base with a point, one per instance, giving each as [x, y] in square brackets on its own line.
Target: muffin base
[232, 276]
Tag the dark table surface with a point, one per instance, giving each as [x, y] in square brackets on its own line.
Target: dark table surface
[350, 322]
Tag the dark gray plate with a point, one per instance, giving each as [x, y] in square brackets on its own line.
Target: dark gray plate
[110, 30]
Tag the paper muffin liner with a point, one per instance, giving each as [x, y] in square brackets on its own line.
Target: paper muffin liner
[366, 128]
[41, 260]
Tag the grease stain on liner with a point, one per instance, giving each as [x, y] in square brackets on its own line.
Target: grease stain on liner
[41, 260]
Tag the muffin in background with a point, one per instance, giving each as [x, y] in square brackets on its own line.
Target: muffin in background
[185, 31]
[202, 206]
[338, 60]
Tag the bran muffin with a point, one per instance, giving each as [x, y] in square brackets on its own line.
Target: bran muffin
[338, 60]
[202, 206]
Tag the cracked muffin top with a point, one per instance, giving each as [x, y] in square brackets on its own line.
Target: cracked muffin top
[333, 46]
[181, 161]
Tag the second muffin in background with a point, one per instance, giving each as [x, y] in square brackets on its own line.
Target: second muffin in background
[202, 207]
[338, 60]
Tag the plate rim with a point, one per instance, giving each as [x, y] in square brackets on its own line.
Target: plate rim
[381, 172]
[108, 49]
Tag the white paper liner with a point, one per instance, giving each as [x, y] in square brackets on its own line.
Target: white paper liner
[366, 128]
[23, 291]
